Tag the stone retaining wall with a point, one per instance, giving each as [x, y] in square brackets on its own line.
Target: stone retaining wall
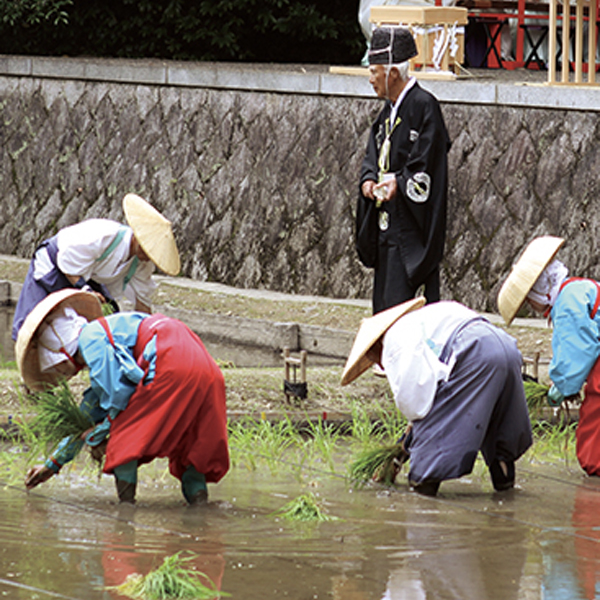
[261, 183]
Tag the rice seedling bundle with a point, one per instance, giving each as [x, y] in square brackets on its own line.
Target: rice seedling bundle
[171, 581]
[381, 464]
[107, 309]
[535, 393]
[303, 508]
[57, 415]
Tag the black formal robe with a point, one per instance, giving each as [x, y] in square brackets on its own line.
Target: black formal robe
[409, 240]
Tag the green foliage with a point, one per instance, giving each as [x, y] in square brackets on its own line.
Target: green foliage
[170, 581]
[321, 443]
[303, 508]
[33, 12]
[363, 427]
[302, 31]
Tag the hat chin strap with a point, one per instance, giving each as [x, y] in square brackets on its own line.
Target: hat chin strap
[78, 367]
[61, 350]
[389, 65]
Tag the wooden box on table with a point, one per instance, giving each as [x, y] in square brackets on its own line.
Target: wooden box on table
[439, 32]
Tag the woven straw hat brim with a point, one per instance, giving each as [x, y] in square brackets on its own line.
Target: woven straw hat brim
[26, 349]
[153, 232]
[535, 258]
[370, 330]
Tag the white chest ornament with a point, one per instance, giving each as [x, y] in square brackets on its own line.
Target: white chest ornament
[384, 220]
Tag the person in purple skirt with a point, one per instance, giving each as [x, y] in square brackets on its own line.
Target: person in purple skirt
[457, 379]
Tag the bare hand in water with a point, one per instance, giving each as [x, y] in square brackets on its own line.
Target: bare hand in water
[37, 475]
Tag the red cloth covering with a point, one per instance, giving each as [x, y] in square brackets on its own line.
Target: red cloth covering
[588, 428]
[181, 414]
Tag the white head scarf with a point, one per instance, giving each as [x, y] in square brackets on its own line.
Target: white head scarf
[547, 285]
[59, 338]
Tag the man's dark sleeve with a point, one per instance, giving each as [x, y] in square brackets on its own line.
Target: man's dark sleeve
[366, 230]
[423, 182]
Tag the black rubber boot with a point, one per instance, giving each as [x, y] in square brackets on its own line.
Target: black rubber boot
[193, 486]
[126, 491]
[198, 499]
[502, 472]
[426, 488]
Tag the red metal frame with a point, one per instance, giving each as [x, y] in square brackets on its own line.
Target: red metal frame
[520, 15]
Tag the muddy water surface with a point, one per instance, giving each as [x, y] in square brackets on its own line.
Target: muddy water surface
[69, 539]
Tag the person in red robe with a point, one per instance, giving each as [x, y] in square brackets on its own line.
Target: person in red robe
[155, 391]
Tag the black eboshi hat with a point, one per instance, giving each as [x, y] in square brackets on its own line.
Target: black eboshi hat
[391, 45]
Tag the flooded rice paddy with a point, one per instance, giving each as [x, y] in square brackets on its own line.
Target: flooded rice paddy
[70, 539]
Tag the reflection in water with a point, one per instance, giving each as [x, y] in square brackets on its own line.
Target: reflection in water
[121, 555]
[72, 539]
[586, 520]
[571, 564]
[62, 549]
[459, 560]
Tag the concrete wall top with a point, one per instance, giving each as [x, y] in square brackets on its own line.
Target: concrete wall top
[307, 79]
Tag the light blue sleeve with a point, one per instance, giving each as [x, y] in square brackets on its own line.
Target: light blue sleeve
[65, 452]
[575, 340]
[101, 431]
[114, 372]
[150, 355]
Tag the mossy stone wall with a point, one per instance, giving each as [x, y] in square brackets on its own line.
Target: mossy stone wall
[261, 186]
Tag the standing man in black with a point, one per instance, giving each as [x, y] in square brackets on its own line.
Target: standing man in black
[401, 216]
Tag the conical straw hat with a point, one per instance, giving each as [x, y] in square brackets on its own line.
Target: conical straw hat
[84, 303]
[525, 272]
[153, 232]
[371, 329]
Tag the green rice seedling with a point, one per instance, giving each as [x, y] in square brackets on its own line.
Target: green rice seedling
[553, 442]
[535, 394]
[172, 580]
[28, 446]
[298, 466]
[225, 364]
[26, 441]
[241, 436]
[107, 309]
[12, 467]
[252, 440]
[57, 416]
[363, 429]
[303, 508]
[392, 423]
[321, 443]
[156, 471]
[273, 440]
[379, 464]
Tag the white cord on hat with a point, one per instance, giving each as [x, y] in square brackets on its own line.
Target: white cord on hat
[59, 340]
